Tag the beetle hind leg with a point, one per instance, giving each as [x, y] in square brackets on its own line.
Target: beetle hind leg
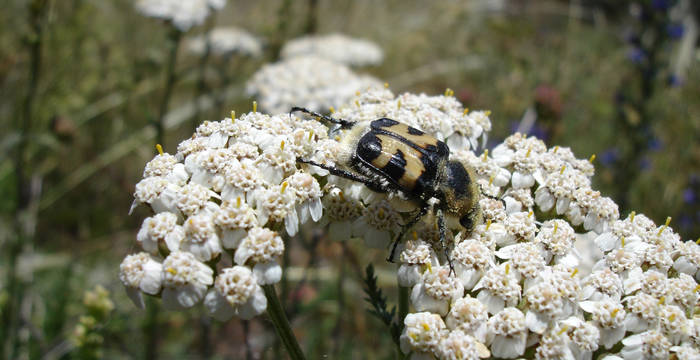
[404, 229]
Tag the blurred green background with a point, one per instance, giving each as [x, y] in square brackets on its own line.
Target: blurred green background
[82, 81]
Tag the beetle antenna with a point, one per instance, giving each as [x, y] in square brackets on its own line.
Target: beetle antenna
[343, 123]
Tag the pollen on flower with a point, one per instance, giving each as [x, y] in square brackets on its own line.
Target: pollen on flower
[236, 284]
[439, 284]
[508, 322]
[416, 253]
[422, 332]
[521, 226]
[141, 271]
[192, 198]
[381, 216]
[260, 246]
[467, 314]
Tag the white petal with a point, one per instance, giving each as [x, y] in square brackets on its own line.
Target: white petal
[254, 306]
[135, 296]
[509, 347]
[316, 209]
[606, 241]
[232, 238]
[291, 222]
[340, 231]
[267, 273]
[218, 307]
[536, 322]
[563, 205]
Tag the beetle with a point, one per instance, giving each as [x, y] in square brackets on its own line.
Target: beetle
[391, 157]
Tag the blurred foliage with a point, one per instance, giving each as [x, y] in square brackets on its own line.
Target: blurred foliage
[100, 82]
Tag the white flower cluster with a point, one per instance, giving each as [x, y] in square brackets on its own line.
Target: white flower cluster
[184, 14]
[308, 81]
[517, 280]
[225, 41]
[217, 203]
[336, 47]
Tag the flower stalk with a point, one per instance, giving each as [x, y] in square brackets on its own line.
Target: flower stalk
[174, 38]
[281, 323]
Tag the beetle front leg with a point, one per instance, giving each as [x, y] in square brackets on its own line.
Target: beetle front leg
[443, 238]
[343, 123]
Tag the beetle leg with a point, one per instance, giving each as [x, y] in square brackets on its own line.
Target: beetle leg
[443, 238]
[404, 229]
[492, 197]
[343, 123]
[372, 185]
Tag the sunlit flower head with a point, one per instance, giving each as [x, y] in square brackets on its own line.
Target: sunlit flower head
[184, 14]
[224, 41]
[336, 47]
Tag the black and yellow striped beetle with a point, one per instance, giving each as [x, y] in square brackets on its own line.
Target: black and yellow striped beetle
[389, 156]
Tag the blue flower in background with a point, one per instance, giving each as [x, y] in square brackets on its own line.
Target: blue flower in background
[689, 196]
[636, 55]
[675, 31]
[685, 221]
[609, 157]
[654, 144]
[674, 81]
[661, 5]
[645, 163]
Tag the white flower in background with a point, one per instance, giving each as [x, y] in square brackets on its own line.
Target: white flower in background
[469, 315]
[341, 212]
[471, 258]
[201, 237]
[168, 167]
[184, 14]
[140, 273]
[377, 225]
[162, 228]
[687, 260]
[651, 344]
[225, 41]
[157, 192]
[602, 284]
[308, 195]
[311, 82]
[460, 346]
[416, 257]
[235, 292]
[507, 334]
[550, 245]
[609, 317]
[260, 249]
[422, 333]
[185, 280]
[234, 219]
[335, 47]
[436, 290]
[499, 288]
[276, 204]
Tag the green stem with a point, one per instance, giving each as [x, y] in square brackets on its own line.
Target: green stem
[170, 77]
[23, 240]
[403, 304]
[282, 326]
[403, 311]
[202, 81]
[150, 329]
